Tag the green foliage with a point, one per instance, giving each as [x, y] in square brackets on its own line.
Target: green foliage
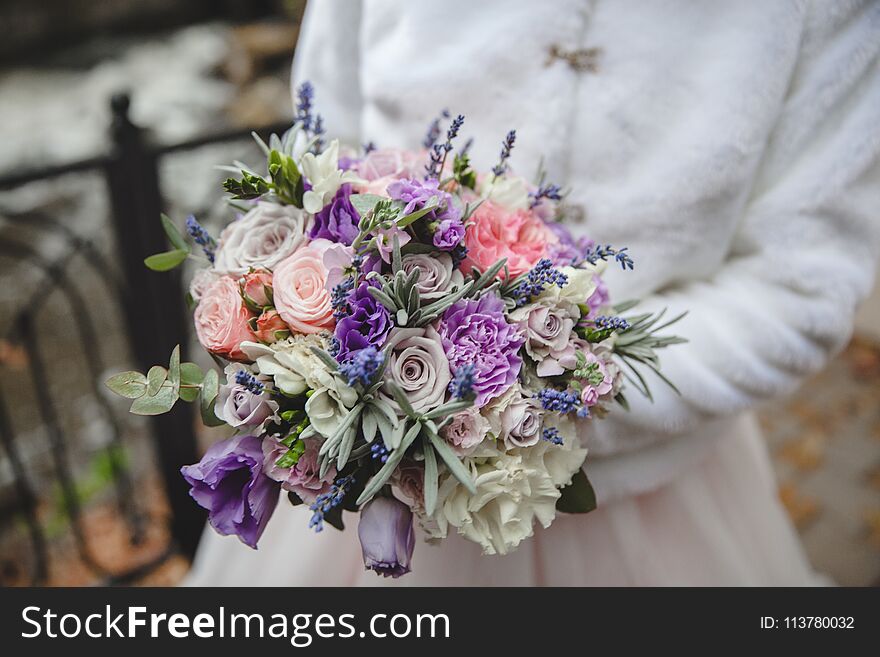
[249, 187]
[170, 259]
[578, 496]
[462, 172]
[287, 182]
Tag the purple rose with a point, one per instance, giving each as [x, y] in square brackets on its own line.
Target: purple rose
[367, 325]
[229, 482]
[445, 220]
[476, 332]
[338, 220]
[387, 536]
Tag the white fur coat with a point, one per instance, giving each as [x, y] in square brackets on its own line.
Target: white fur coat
[732, 146]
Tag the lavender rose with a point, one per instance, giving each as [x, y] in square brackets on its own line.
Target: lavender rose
[418, 364]
[437, 276]
[367, 325]
[229, 483]
[476, 332]
[262, 238]
[239, 406]
[521, 422]
[547, 328]
[304, 478]
[387, 537]
[466, 430]
[338, 220]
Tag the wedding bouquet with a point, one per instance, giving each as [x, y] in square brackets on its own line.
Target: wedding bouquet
[401, 336]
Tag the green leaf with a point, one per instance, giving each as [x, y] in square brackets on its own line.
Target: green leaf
[326, 358]
[249, 187]
[450, 458]
[162, 402]
[449, 408]
[381, 477]
[178, 241]
[412, 217]
[174, 369]
[364, 203]
[210, 388]
[190, 375]
[578, 496]
[166, 261]
[155, 378]
[291, 457]
[130, 385]
[431, 477]
[401, 400]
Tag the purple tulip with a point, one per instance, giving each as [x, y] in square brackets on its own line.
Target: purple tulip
[229, 482]
[387, 536]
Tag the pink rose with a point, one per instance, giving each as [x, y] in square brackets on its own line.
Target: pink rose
[466, 430]
[256, 287]
[385, 165]
[304, 478]
[221, 319]
[300, 292]
[270, 327]
[495, 233]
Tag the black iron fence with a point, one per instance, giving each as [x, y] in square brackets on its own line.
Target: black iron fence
[155, 319]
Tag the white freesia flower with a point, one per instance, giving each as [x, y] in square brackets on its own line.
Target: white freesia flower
[266, 235]
[511, 192]
[325, 177]
[295, 368]
[514, 489]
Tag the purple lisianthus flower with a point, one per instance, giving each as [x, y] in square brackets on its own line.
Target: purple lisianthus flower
[338, 220]
[387, 537]
[476, 332]
[367, 325]
[568, 251]
[448, 234]
[445, 220]
[229, 482]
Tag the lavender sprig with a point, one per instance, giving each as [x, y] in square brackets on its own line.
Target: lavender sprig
[550, 192]
[439, 152]
[249, 382]
[611, 323]
[600, 252]
[433, 133]
[362, 367]
[328, 501]
[551, 435]
[541, 276]
[506, 147]
[201, 237]
[305, 95]
[462, 384]
[339, 297]
[560, 401]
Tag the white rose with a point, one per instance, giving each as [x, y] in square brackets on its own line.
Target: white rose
[514, 489]
[418, 364]
[508, 191]
[295, 369]
[437, 276]
[262, 238]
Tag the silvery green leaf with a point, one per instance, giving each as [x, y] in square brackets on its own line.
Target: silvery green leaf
[444, 303]
[402, 401]
[431, 477]
[210, 388]
[190, 375]
[130, 385]
[369, 424]
[386, 429]
[383, 298]
[450, 458]
[396, 258]
[326, 358]
[345, 447]
[155, 378]
[489, 275]
[166, 261]
[449, 408]
[174, 369]
[337, 434]
[385, 472]
[402, 317]
[364, 203]
[412, 217]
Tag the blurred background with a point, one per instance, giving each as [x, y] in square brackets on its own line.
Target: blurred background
[114, 110]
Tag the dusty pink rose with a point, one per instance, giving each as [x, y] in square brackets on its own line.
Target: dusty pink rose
[385, 165]
[466, 430]
[254, 284]
[304, 478]
[495, 233]
[270, 327]
[300, 293]
[593, 390]
[221, 319]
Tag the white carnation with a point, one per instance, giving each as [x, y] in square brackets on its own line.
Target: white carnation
[514, 489]
[262, 238]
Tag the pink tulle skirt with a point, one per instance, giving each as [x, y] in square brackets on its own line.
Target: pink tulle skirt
[719, 523]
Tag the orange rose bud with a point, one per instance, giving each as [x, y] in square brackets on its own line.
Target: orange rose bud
[269, 327]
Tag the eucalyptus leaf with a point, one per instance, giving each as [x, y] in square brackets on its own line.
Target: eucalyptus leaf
[166, 261]
[190, 375]
[155, 378]
[178, 241]
[210, 388]
[130, 385]
[161, 402]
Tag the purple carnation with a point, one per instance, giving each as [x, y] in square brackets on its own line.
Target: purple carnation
[367, 325]
[445, 221]
[476, 332]
[229, 482]
[338, 220]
